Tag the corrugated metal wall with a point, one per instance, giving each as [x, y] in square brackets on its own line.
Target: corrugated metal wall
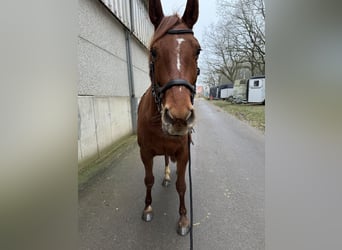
[138, 21]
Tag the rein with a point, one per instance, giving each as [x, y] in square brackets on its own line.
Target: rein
[157, 90]
[190, 193]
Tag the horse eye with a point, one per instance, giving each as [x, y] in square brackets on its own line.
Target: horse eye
[153, 53]
[198, 52]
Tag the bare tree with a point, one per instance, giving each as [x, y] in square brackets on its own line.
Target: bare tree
[237, 41]
[222, 57]
[249, 15]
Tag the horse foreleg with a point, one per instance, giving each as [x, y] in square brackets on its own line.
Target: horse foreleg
[167, 174]
[183, 222]
[149, 181]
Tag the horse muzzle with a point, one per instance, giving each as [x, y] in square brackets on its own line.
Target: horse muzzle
[177, 126]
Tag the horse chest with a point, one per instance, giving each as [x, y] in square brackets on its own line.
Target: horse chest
[163, 144]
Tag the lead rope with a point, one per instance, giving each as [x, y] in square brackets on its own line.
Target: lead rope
[190, 189]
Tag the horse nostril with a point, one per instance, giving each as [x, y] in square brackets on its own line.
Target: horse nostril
[191, 116]
[167, 116]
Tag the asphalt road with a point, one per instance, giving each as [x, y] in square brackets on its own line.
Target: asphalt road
[228, 173]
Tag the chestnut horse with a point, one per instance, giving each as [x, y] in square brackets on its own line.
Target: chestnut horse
[166, 113]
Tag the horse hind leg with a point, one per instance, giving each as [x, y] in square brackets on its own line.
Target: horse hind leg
[167, 174]
[147, 214]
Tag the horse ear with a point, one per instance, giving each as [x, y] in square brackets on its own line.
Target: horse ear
[156, 12]
[190, 15]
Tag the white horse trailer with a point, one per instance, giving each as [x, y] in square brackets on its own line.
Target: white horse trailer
[226, 91]
[256, 89]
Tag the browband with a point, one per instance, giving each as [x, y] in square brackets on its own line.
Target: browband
[186, 31]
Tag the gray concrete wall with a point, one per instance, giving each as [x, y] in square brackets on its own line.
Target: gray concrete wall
[102, 52]
[140, 68]
[102, 122]
[104, 102]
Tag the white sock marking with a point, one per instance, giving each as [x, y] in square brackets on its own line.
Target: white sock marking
[179, 40]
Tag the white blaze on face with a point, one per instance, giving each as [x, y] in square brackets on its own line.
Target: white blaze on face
[179, 40]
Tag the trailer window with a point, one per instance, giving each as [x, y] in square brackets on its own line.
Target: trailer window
[256, 84]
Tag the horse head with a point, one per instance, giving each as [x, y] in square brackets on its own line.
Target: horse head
[173, 60]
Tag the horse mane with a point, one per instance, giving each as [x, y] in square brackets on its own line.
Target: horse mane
[166, 23]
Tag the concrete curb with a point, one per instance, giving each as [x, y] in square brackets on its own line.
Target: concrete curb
[98, 166]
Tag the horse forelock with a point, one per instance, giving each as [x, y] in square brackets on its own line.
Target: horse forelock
[167, 23]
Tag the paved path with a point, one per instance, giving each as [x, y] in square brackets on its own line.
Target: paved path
[228, 193]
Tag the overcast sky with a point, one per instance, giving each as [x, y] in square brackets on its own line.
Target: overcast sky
[206, 17]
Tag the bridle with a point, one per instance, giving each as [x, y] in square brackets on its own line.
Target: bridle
[158, 91]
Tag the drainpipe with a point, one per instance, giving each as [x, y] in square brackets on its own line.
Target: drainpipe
[131, 15]
[131, 81]
[133, 99]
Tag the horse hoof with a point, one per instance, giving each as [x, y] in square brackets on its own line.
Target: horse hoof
[147, 214]
[183, 226]
[166, 183]
[183, 230]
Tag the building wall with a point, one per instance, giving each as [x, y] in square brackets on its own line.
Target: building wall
[105, 102]
[140, 69]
